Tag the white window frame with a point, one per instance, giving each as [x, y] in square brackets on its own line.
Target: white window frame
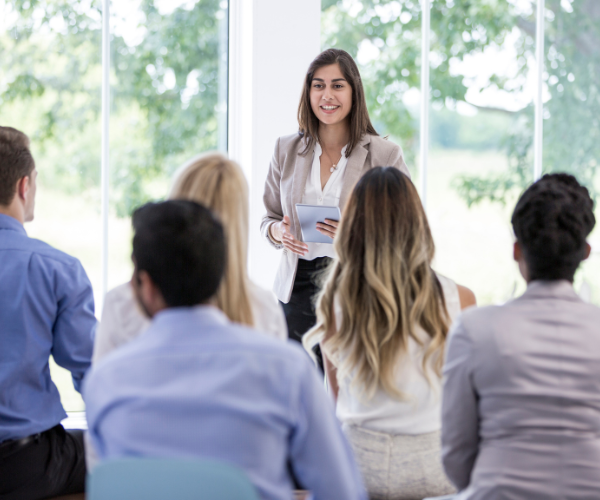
[271, 43]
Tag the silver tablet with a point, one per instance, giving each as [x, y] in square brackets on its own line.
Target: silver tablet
[309, 215]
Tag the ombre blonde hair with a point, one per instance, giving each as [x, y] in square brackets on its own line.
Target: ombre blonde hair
[383, 282]
[219, 184]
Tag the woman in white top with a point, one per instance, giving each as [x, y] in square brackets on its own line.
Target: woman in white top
[319, 165]
[219, 184]
[382, 321]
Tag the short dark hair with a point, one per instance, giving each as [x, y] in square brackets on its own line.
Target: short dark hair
[181, 245]
[551, 221]
[16, 162]
[360, 123]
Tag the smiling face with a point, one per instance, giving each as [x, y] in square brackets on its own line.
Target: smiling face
[330, 95]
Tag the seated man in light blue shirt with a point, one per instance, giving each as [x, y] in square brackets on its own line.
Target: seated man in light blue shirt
[46, 308]
[196, 385]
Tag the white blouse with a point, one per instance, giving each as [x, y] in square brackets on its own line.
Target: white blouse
[328, 196]
[421, 412]
[122, 320]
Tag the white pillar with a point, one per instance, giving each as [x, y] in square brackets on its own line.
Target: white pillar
[271, 44]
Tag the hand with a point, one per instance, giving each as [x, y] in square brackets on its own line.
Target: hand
[328, 228]
[281, 231]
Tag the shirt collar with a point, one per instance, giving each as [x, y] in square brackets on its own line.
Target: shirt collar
[319, 150]
[561, 289]
[12, 224]
[204, 313]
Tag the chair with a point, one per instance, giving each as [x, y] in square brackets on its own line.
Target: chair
[168, 479]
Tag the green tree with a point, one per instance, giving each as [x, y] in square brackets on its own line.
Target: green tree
[165, 102]
[464, 27]
[164, 85]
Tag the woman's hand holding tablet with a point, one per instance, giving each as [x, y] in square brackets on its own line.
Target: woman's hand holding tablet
[280, 231]
[328, 228]
[318, 223]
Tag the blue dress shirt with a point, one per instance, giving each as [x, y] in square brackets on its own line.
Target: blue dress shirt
[195, 385]
[46, 308]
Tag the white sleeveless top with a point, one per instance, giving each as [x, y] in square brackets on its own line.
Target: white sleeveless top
[418, 414]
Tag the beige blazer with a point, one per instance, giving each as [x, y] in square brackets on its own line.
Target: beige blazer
[286, 181]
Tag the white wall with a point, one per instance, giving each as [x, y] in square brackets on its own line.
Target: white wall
[271, 44]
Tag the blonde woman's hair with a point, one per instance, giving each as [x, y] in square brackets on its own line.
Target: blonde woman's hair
[219, 184]
[384, 284]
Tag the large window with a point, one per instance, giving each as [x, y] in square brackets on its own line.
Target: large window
[482, 98]
[168, 88]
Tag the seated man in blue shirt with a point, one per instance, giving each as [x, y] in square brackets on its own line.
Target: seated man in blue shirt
[46, 308]
[196, 385]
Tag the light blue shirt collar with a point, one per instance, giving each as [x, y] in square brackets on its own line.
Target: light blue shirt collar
[10, 223]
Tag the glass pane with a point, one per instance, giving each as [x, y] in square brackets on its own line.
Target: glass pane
[384, 37]
[169, 103]
[481, 140]
[50, 89]
[572, 109]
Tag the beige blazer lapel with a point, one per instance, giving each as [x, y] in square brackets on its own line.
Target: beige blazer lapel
[354, 169]
[302, 170]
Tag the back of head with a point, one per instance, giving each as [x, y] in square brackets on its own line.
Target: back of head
[383, 281]
[551, 221]
[16, 162]
[181, 245]
[219, 184]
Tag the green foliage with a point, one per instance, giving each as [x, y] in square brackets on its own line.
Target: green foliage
[451, 130]
[164, 90]
[166, 69]
[461, 28]
[393, 31]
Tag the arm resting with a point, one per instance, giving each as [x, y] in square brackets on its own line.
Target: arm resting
[272, 199]
[460, 418]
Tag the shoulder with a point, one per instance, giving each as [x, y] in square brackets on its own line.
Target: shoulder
[52, 256]
[385, 153]
[480, 323]
[290, 142]
[254, 340]
[262, 298]
[268, 314]
[451, 295]
[122, 319]
[466, 297]
[122, 294]
[384, 147]
[276, 356]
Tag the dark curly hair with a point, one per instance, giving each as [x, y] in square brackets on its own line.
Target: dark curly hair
[551, 221]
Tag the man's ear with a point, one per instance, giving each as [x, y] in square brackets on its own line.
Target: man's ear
[588, 250]
[146, 286]
[517, 254]
[148, 293]
[23, 185]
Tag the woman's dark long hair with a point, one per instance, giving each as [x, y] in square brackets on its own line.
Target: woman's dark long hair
[551, 221]
[360, 123]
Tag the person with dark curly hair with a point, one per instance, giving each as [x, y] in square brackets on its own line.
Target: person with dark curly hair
[521, 397]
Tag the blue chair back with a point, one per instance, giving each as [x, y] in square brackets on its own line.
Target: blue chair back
[168, 479]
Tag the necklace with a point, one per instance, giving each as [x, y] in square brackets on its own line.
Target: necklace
[334, 166]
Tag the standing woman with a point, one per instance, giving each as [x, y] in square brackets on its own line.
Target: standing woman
[335, 145]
